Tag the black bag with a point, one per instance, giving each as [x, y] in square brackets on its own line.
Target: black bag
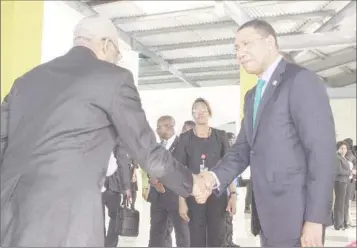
[127, 221]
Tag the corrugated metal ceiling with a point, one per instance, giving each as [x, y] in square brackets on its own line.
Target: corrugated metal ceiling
[197, 36]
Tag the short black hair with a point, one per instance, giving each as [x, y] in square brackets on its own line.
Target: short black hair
[167, 117]
[189, 123]
[263, 27]
[230, 135]
[288, 57]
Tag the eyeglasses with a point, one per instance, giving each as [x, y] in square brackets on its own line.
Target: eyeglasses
[200, 110]
[247, 45]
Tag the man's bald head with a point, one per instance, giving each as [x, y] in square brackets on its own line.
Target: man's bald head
[100, 35]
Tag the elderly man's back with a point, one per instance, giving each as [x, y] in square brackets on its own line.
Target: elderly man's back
[60, 140]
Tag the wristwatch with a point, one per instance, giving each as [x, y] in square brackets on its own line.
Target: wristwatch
[232, 193]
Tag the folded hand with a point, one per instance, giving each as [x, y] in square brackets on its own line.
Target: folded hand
[202, 187]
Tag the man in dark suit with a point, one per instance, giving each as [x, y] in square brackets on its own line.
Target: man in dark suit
[164, 210]
[59, 125]
[287, 137]
[116, 185]
[187, 126]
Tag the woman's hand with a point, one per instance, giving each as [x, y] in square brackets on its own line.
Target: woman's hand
[232, 205]
[183, 209]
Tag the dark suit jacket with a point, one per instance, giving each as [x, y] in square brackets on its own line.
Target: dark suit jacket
[59, 125]
[168, 199]
[291, 153]
[121, 179]
[343, 169]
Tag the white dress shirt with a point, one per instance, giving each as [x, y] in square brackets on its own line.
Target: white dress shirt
[170, 141]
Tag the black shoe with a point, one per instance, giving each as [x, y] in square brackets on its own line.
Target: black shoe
[231, 244]
[247, 211]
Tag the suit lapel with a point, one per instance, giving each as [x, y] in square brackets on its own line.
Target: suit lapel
[248, 118]
[271, 87]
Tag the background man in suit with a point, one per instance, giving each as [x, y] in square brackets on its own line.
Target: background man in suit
[288, 139]
[187, 126]
[59, 125]
[229, 217]
[164, 210]
[116, 185]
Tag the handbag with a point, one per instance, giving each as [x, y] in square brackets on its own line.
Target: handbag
[128, 219]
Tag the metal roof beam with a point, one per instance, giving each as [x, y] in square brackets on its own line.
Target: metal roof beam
[148, 63]
[150, 73]
[286, 43]
[341, 80]
[195, 78]
[348, 92]
[193, 27]
[332, 61]
[228, 23]
[134, 44]
[334, 21]
[236, 12]
[335, 60]
[160, 16]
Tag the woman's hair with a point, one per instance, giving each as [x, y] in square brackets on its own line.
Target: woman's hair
[205, 102]
[341, 143]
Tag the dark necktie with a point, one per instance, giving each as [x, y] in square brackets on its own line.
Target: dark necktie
[257, 98]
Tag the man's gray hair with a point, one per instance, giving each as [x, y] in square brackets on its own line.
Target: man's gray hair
[96, 28]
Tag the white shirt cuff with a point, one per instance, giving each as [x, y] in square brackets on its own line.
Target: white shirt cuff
[217, 183]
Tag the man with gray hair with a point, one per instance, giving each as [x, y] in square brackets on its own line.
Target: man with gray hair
[59, 124]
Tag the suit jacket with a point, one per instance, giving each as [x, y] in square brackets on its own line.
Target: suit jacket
[121, 179]
[343, 169]
[291, 153]
[168, 199]
[59, 125]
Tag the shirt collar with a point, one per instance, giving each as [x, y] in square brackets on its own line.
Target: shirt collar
[170, 141]
[269, 72]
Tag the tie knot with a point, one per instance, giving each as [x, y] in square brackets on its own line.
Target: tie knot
[163, 143]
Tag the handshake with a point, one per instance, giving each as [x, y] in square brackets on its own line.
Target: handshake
[203, 184]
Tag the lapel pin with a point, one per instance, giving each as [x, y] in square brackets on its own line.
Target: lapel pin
[275, 83]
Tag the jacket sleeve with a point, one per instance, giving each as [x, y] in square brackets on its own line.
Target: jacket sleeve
[123, 167]
[342, 171]
[138, 139]
[235, 161]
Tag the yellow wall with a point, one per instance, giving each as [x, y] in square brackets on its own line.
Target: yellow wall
[21, 36]
[247, 81]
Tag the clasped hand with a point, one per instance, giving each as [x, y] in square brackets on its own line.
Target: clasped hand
[202, 186]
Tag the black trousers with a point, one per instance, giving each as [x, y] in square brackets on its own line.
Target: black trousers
[248, 195]
[207, 221]
[340, 208]
[111, 200]
[162, 217]
[229, 229]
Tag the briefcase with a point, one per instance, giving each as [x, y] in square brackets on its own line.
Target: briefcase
[127, 221]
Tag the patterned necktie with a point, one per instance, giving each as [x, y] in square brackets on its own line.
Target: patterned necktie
[163, 143]
[257, 98]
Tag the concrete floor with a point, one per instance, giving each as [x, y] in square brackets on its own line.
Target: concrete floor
[242, 234]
